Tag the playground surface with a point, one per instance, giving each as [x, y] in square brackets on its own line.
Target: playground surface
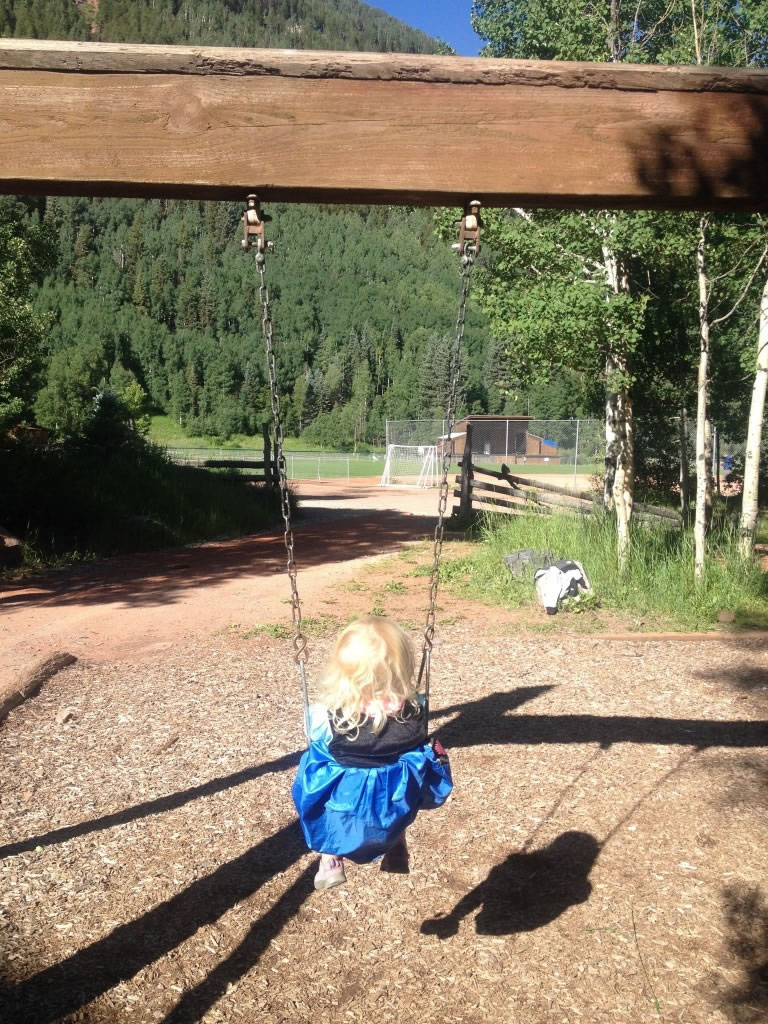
[603, 857]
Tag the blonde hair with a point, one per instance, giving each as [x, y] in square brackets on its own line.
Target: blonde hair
[371, 668]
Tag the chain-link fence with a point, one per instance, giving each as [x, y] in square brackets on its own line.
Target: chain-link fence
[298, 465]
[415, 432]
[548, 446]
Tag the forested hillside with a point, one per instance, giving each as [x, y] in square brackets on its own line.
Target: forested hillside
[157, 299]
[364, 304]
[300, 24]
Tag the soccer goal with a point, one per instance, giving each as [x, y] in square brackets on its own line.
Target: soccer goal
[410, 466]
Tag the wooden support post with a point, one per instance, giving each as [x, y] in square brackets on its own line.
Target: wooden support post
[465, 501]
[82, 118]
[270, 468]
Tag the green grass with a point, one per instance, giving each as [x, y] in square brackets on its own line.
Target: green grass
[304, 461]
[166, 431]
[69, 503]
[657, 590]
[333, 467]
[310, 627]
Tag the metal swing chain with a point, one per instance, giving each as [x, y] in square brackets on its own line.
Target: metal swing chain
[468, 247]
[253, 237]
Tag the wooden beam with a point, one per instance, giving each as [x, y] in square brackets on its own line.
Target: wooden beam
[106, 119]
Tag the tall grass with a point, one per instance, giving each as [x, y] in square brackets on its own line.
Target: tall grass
[69, 502]
[657, 587]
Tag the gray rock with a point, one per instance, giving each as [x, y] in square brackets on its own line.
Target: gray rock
[524, 563]
[11, 550]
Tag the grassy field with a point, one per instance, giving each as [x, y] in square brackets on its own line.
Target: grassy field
[325, 466]
[657, 589]
[165, 431]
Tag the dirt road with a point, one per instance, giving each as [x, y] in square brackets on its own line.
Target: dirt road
[130, 607]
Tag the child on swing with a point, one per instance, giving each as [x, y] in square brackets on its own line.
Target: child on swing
[369, 768]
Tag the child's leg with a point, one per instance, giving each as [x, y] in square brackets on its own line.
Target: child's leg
[330, 872]
[395, 860]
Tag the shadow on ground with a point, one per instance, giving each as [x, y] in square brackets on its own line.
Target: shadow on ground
[746, 915]
[527, 890]
[491, 720]
[749, 678]
[163, 577]
[150, 807]
[67, 986]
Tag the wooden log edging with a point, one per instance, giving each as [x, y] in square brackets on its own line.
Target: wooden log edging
[32, 679]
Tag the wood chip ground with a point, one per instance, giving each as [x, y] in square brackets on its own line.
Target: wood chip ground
[603, 858]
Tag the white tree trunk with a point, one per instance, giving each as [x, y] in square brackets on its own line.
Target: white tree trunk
[624, 480]
[708, 443]
[611, 435]
[748, 525]
[685, 475]
[619, 483]
[702, 465]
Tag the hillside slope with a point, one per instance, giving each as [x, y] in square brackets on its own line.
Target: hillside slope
[158, 294]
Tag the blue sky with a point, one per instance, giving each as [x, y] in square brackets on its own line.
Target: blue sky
[448, 19]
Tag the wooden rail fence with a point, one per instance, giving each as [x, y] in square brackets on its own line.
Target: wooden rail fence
[504, 492]
[267, 464]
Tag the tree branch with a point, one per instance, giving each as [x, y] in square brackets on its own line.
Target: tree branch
[746, 288]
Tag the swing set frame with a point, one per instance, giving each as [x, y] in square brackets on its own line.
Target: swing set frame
[105, 119]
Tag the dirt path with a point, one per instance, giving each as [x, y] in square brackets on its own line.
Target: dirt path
[137, 605]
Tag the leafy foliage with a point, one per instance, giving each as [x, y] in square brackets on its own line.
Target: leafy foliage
[546, 291]
[24, 256]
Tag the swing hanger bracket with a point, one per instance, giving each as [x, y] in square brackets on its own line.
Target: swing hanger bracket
[469, 227]
[254, 222]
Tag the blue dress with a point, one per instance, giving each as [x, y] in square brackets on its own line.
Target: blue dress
[359, 812]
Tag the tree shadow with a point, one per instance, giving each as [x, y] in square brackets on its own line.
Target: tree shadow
[746, 914]
[67, 986]
[488, 721]
[163, 577]
[150, 807]
[749, 678]
[527, 890]
[723, 165]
